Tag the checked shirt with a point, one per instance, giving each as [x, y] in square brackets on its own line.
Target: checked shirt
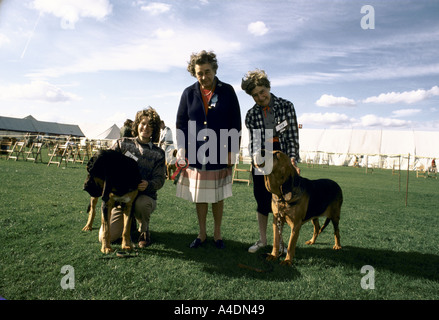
[288, 137]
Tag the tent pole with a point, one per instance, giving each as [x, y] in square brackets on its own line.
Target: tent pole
[407, 186]
[399, 172]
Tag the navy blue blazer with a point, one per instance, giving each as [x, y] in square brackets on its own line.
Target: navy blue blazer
[207, 138]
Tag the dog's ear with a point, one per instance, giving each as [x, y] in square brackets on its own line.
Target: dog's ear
[287, 189]
[288, 196]
[92, 187]
[90, 163]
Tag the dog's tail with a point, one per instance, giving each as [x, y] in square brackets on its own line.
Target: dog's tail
[324, 225]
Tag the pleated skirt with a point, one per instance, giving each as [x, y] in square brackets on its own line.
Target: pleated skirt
[205, 186]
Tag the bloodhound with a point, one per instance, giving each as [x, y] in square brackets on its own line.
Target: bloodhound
[297, 200]
[114, 177]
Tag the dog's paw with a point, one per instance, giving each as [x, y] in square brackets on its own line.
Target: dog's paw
[127, 247]
[309, 242]
[286, 262]
[106, 250]
[271, 257]
[336, 247]
[87, 228]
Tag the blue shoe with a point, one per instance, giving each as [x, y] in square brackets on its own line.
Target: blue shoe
[220, 244]
[196, 243]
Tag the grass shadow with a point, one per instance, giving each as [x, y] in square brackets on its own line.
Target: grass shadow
[233, 261]
[411, 264]
[226, 262]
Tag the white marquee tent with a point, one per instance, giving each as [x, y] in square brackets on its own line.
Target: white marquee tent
[373, 148]
[111, 133]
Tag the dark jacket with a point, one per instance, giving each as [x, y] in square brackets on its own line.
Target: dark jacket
[151, 162]
[214, 134]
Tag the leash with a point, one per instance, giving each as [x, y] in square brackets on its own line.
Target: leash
[182, 165]
[280, 228]
[263, 257]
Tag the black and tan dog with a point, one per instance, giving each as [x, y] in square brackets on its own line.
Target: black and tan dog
[297, 200]
[114, 177]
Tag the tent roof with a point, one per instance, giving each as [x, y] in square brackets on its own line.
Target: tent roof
[111, 133]
[31, 125]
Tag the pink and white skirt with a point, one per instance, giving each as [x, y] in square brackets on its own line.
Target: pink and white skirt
[205, 186]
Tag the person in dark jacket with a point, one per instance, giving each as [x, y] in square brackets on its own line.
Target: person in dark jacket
[208, 139]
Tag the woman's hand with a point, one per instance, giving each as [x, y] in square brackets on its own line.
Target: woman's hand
[294, 163]
[142, 185]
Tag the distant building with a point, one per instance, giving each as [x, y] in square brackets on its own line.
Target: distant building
[11, 126]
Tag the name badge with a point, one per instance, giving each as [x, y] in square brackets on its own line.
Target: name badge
[213, 101]
[130, 155]
[281, 127]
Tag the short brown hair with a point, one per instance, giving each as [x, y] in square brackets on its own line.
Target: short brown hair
[202, 57]
[153, 121]
[254, 79]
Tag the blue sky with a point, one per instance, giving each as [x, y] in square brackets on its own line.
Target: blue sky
[96, 62]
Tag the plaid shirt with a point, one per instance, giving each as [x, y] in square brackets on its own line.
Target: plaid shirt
[288, 138]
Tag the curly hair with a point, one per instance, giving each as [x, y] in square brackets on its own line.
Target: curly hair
[202, 57]
[254, 79]
[153, 121]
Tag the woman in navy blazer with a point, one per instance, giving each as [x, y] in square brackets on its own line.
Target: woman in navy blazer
[208, 137]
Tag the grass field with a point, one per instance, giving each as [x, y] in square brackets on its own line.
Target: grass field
[43, 210]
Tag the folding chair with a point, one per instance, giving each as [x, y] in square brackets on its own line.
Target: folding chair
[86, 152]
[325, 161]
[77, 154]
[34, 152]
[60, 153]
[6, 148]
[396, 166]
[369, 168]
[246, 171]
[71, 153]
[17, 150]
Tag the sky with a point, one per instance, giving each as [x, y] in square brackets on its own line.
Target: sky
[344, 64]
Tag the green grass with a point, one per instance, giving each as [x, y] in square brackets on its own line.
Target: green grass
[43, 210]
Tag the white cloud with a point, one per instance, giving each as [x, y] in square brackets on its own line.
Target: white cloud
[405, 112]
[3, 40]
[70, 11]
[304, 79]
[164, 33]
[257, 28]
[328, 100]
[325, 119]
[372, 120]
[408, 97]
[157, 53]
[36, 90]
[156, 8]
